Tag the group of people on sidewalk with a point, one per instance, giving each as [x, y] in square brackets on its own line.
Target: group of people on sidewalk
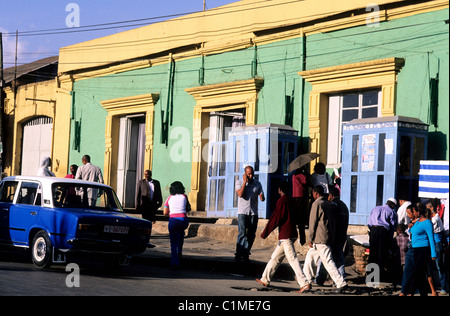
[326, 243]
[419, 249]
[410, 246]
[323, 212]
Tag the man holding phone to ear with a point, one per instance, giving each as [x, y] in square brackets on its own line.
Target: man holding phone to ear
[248, 190]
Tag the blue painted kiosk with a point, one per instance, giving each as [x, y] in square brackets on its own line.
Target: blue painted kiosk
[381, 159]
[268, 148]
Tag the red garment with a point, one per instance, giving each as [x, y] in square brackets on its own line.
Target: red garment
[283, 218]
[299, 186]
[440, 211]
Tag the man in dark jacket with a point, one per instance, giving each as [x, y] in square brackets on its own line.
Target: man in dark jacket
[341, 217]
[338, 225]
[319, 243]
[148, 196]
[283, 218]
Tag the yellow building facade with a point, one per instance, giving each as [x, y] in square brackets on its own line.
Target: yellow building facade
[238, 26]
[30, 100]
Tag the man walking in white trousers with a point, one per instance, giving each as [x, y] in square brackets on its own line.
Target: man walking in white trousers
[283, 218]
[319, 240]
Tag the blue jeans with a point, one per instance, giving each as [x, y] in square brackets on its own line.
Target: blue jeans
[440, 266]
[415, 271]
[408, 272]
[177, 226]
[247, 225]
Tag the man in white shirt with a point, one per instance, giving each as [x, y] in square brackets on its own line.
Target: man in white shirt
[401, 212]
[88, 171]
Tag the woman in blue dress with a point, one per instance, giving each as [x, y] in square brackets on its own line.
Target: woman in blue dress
[423, 246]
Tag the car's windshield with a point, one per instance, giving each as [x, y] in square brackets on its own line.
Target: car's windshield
[76, 195]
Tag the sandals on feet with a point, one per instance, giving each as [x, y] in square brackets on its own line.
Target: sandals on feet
[262, 283]
[304, 289]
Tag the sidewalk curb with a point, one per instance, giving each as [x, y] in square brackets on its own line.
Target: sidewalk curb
[226, 230]
[226, 233]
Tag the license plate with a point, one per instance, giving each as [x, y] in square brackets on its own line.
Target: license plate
[116, 229]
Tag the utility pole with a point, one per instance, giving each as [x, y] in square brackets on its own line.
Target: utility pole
[15, 72]
[1, 60]
[204, 5]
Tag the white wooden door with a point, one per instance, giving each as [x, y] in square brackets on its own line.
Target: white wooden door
[130, 160]
[36, 144]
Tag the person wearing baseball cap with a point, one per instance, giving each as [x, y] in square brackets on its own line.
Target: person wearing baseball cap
[382, 225]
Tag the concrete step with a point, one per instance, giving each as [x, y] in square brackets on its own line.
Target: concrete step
[194, 216]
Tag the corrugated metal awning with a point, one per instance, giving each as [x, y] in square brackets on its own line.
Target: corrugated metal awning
[9, 73]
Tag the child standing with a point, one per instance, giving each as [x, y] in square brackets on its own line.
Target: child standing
[401, 247]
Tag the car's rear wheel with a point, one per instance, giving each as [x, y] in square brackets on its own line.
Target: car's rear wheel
[41, 250]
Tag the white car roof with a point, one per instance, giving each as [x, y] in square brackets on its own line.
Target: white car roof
[46, 185]
[50, 180]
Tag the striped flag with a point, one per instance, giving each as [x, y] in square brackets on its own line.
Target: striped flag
[433, 179]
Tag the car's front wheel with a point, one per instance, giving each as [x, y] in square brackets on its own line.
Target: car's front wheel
[41, 250]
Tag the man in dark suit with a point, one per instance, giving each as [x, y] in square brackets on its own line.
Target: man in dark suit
[148, 196]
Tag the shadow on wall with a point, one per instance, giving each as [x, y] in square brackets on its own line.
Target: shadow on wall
[437, 146]
[77, 136]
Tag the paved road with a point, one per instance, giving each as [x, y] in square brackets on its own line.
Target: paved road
[144, 277]
[209, 271]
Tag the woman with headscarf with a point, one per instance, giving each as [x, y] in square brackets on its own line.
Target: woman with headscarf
[44, 170]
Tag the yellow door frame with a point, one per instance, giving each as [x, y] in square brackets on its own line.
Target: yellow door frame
[217, 97]
[380, 73]
[120, 107]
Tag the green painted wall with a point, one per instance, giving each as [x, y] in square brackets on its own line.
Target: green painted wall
[278, 65]
[88, 110]
[421, 40]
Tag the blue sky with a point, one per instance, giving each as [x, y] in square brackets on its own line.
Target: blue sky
[26, 15]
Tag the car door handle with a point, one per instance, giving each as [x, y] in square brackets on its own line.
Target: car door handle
[5, 209]
[33, 213]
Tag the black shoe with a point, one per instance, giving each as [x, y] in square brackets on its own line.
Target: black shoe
[342, 290]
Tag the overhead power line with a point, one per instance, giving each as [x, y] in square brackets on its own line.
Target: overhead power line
[193, 36]
[345, 37]
[136, 22]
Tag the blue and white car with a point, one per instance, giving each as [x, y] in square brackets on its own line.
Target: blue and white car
[55, 217]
